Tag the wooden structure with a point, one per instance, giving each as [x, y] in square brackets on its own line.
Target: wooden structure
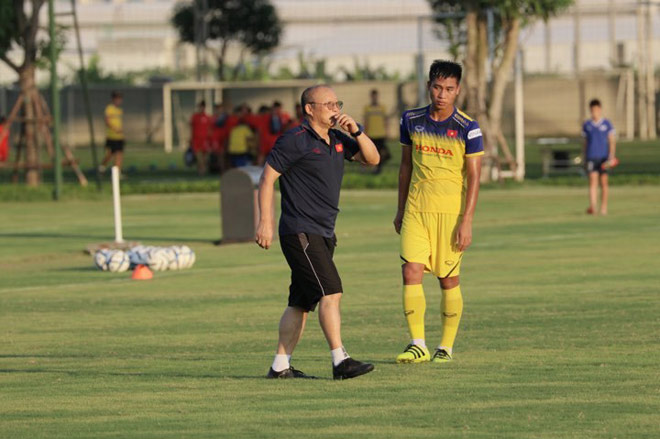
[41, 121]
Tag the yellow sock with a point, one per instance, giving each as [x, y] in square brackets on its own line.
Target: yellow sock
[452, 308]
[414, 307]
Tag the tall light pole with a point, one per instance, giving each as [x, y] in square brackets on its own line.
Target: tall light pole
[55, 101]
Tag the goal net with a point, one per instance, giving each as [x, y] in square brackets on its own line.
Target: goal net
[180, 101]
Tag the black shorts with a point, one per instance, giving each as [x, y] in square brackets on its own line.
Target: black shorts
[596, 166]
[313, 273]
[114, 145]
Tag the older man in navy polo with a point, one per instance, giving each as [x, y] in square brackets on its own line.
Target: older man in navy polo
[309, 161]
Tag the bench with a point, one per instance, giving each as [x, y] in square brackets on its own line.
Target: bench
[557, 158]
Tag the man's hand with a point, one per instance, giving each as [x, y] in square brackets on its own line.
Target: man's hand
[464, 235]
[264, 236]
[398, 220]
[347, 123]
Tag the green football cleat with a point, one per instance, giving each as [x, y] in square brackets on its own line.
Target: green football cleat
[414, 354]
[441, 356]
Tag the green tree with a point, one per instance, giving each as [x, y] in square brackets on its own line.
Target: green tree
[19, 35]
[468, 38]
[254, 24]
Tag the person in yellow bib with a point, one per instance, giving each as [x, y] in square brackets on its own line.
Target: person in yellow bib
[438, 190]
[375, 125]
[241, 143]
[114, 132]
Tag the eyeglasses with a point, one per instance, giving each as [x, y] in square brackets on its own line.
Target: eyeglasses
[329, 105]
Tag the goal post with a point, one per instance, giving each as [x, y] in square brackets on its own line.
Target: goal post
[177, 114]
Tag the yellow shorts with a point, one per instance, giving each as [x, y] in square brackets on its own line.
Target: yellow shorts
[430, 239]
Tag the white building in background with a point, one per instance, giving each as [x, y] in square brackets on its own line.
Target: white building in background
[132, 35]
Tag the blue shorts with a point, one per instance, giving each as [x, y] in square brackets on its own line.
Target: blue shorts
[240, 160]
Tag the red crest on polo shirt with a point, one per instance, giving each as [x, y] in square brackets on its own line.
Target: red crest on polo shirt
[339, 147]
[452, 133]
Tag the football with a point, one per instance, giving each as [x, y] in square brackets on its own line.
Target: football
[158, 259]
[101, 259]
[118, 261]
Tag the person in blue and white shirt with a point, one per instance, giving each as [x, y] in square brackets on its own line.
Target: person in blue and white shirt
[599, 155]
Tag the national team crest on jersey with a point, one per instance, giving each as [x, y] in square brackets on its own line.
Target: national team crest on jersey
[339, 147]
[452, 133]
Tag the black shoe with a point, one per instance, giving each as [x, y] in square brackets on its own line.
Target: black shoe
[350, 368]
[288, 373]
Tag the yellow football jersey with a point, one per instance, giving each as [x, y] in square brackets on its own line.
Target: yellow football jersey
[374, 117]
[113, 115]
[239, 139]
[439, 149]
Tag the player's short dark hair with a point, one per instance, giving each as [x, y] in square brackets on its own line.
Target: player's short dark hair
[277, 104]
[2, 119]
[445, 69]
[374, 91]
[595, 103]
[115, 94]
[202, 103]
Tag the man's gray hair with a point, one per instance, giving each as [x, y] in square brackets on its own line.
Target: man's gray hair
[307, 94]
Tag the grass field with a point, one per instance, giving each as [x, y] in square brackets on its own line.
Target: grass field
[149, 170]
[559, 339]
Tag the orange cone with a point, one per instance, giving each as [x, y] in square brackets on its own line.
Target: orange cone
[142, 272]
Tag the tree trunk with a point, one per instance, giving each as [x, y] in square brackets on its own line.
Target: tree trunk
[476, 81]
[221, 61]
[27, 83]
[482, 115]
[501, 75]
[484, 100]
[239, 65]
[471, 72]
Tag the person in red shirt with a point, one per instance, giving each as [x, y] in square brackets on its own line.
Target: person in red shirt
[233, 118]
[278, 121]
[4, 139]
[200, 127]
[219, 128]
[219, 136]
[249, 117]
[298, 119]
[279, 118]
[262, 128]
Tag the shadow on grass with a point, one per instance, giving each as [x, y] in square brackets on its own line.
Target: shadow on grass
[47, 356]
[103, 238]
[77, 373]
[76, 270]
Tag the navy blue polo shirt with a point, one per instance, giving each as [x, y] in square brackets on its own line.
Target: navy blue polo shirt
[312, 172]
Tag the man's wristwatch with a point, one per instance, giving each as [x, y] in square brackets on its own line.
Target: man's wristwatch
[358, 132]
